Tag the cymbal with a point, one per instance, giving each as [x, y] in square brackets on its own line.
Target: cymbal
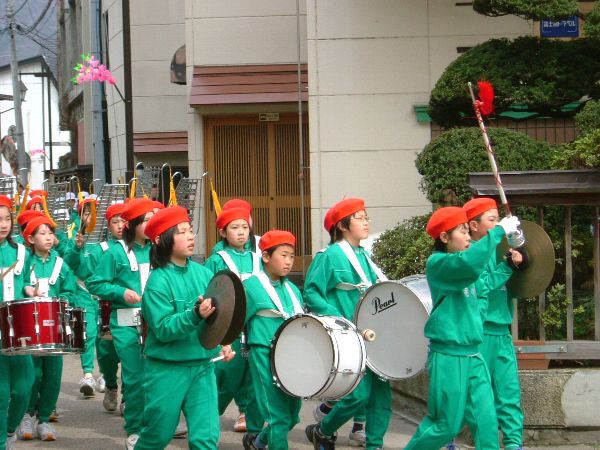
[534, 279]
[226, 323]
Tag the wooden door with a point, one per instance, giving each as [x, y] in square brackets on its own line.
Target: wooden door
[259, 162]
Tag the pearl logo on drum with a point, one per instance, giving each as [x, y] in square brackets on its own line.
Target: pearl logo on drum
[381, 305]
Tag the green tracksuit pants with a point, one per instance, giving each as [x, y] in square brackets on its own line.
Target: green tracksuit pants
[457, 384]
[108, 362]
[16, 379]
[280, 411]
[373, 395]
[46, 386]
[170, 388]
[127, 345]
[91, 333]
[501, 360]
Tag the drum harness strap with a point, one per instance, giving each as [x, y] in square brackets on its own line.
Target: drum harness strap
[347, 249]
[231, 265]
[104, 245]
[144, 269]
[8, 283]
[280, 312]
[55, 272]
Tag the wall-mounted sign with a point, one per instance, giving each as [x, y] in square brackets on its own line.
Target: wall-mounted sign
[560, 28]
[268, 117]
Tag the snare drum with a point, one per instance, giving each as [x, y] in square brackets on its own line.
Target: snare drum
[75, 324]
[104, 310]
[32, 326]
[317, 357]
[397, 312]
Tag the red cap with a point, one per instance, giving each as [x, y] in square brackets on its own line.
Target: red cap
[5, 201]
[229, 215]
[478, 206]
[158, 205]
[346, 208]
[85, 201]
[34, 224]
[38, 193]
[276, 237]
[26, 216]
[327, 220]
[136, 208]
[165, 219]
[34, 201]
[114, 210]
[444, 219]
[237, 203]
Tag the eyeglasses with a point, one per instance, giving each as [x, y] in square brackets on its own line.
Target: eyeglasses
[366, 219]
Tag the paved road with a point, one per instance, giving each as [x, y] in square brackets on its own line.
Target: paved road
[85, 425]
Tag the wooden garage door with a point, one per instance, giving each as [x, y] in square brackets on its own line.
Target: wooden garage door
[259, 162]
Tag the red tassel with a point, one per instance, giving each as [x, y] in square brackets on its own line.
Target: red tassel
[486, 97]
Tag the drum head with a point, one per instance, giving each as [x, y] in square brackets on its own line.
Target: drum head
[396, 311]
[302, 356]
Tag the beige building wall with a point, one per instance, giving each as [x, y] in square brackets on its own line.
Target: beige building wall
[369, 63]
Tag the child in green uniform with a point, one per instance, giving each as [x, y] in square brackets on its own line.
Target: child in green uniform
[54, 279]
[345, 261]
[121, 277]
[497, 347]
[16, 372]
[233, 380]
[458, 376]
[271, 300]
[253, 239]
[179, 372]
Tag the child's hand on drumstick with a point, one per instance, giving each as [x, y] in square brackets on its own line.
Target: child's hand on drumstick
[32, 291]
[131, 297]
[205, 307]
[227, 352]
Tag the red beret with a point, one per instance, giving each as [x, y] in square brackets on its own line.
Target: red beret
[444, 219]
[346, 208]
[237, 203]
[86, 201]
[5, 201]
[276, 237]
[34, 224]
[38, 193]
[114, 210]
[158, 205]
[34, 201]
[229, 215]
[327, 220]
[165, 219]
[136, 208]
[478, 206]
[26, 216]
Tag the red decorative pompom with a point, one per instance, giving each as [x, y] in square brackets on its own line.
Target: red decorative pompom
[486, 97]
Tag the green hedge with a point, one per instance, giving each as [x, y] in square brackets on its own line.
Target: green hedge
[528, 9]
[592, 23]
[542, 74]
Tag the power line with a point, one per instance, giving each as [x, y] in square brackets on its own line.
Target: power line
[39, 19]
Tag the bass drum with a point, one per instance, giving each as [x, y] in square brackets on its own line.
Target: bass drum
[317, 357]
[397, 312]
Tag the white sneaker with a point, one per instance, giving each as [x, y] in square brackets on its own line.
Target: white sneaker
[110, 400]
[86, 386]
[131, 441]
[11, 442]
[46, 432]
[25, 431]
[100, 384]
[358, 438]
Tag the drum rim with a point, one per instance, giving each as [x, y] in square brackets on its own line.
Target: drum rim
[272, 355]
[370, 365]
[30, 300]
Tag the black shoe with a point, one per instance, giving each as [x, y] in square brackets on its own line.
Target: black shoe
[320, 441]
[248, 441]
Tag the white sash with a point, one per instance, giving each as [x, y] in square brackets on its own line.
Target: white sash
[349, 252]
[45, 283]
[144, 269]
[231, 265]
[257, 249]
[20, 259]
[266, 283]
[104, 246]
[8, 283]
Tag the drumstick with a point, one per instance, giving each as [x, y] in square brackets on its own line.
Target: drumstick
[11, 267]
[219, 358]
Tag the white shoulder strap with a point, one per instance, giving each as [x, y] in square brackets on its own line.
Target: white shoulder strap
[256, 241]
[56, 271]
[266, 283]
[256, 262]
[133, 265]
[378, 272]
[347, 249]
[229, 262]
[104, 246]
[20, 258]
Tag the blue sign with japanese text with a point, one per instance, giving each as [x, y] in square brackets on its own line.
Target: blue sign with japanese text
[560, 28]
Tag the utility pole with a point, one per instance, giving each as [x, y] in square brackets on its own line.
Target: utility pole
[14, 68]
[98, 127]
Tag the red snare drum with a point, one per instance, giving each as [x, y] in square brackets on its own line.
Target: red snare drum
[75, 325]
[104, 310]
[32, 326]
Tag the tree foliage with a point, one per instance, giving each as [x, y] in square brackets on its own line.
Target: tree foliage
[591, 28]
[542, 74]
[588, 119]
[527, 9]
[445, 162]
